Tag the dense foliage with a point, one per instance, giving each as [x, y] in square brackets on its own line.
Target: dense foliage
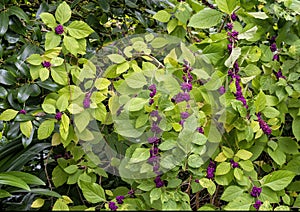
[149, 105]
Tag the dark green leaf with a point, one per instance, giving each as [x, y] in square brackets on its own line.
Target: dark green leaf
[17, 11]
[6, 77]
[3, 23]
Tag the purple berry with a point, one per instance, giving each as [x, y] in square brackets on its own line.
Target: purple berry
[255, 192]
[276, 57]
[87, 100]
[229, 26]
[152, 87]
[263, 125]
[273, 47]
[59, 29]
[58, 116]
[151, 101]
[46, 64]
[186, 86]
[112, 206]
[120, 199]
[184, 115]
[229, 47]
[234, 164]
[159, 183]
[197, 181]
[257, 204]
[22, 111]
[200, 130]
[222, 90]
[233, 16]
[153, 140]
[131, 193]
[156, 129]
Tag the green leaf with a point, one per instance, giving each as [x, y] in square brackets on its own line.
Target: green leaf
[64, 126]
[52, 40]
[248, 34]
[295, 127]
[231, 193]
[278, 180]
[246, 165]
[60, 205]
[123, 67]
[116, 58]
[244, 154]
[277, 155]
[17, 11]
[63, 13]
[59, 177]
[136, 80]
[44, 74]
[59, 75]
[195, 161]
[260, 102]
[206, 18]
[242, 202]
[48, 19]
[141, 120]
[38, 203]
[159, 42]
[8, 179]
[4, 194]
[26, 128]
[71, 44]
[235, 53]
[71, 169]
[270, 112]
[259, 15]
[208, 184]
[82, 120]
[93, 192]
[268, 194]
[227, 152]
[155, 194]
[137, 104]
[45, 129]
[6, 77]
[288, 145]
[4, 20]
[28, 178]
[8, 114]
[35, 59]
[139, 155]
[226, 6]
[102, 83]
[79, 29]
[223, 168]
[162, 16]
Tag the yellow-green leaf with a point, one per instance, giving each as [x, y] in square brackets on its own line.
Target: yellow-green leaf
[8, 115]
[26, 128]
[63, 13]
[38, 203]
[45, 129]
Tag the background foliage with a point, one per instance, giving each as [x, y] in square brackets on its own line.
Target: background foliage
[237, 133]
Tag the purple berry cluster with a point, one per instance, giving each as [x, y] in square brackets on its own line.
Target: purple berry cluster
[279, 75]
[273, 47]
[233, 17]
[257, 204]
[154, 151]
[46, 64]
[206, 3]
[58, 116]
[255, 192]
[233, 73]
[152, 88]
[112, 205]
[234, 164]
[59, 29]
[87, 100]
[263, 125]
[210, 170]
